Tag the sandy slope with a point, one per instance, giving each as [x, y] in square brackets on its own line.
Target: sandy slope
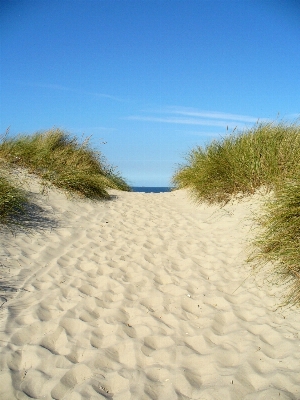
[141, 297]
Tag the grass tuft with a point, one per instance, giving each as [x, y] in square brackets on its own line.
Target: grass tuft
[13, 201]
[241, 163]
[277, 246]
[268, 155]
[60, 159]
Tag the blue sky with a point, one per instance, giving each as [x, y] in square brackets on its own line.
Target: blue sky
[151, 78]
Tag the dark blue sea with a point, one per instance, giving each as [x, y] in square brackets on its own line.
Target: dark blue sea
[146, 189]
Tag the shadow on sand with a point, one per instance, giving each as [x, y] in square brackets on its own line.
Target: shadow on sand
[34, 219]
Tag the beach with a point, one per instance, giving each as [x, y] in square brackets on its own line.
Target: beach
[144, 296]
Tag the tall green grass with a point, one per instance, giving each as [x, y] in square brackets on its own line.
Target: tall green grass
[265, 155]
[276, 248]
[268, 155]
[60, 159]
[13, 201]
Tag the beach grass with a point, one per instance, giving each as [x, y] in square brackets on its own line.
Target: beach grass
[59, 159]
[13, 201]
[266, 156]
[242, 162]
[276, 247]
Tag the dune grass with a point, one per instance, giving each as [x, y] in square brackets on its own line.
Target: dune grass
[268, 155]
[58, 159]
[61, 160]
[241, 163]
[13, 201]
[276, 248]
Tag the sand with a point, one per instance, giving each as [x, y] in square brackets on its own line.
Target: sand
[145, 296]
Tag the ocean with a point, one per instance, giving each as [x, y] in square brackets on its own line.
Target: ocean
[146, 189]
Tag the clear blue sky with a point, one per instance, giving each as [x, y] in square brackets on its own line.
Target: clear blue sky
[152, 78]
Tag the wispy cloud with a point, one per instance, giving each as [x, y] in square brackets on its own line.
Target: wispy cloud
[212, 134]
[68, 89]
[184, 121]
[209, 114]
[190, 116]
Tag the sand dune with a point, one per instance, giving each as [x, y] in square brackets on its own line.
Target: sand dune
[146, 296]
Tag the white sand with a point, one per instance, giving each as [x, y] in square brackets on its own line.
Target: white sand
[142, 297]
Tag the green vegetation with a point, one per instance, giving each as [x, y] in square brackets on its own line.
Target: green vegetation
[241, 163]
[58, 159]
[12, 201]
[277, 246]
[268, 156]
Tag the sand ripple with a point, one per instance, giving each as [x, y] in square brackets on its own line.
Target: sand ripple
[143, 297]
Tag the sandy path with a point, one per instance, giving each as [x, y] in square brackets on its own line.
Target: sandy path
[142, 297]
